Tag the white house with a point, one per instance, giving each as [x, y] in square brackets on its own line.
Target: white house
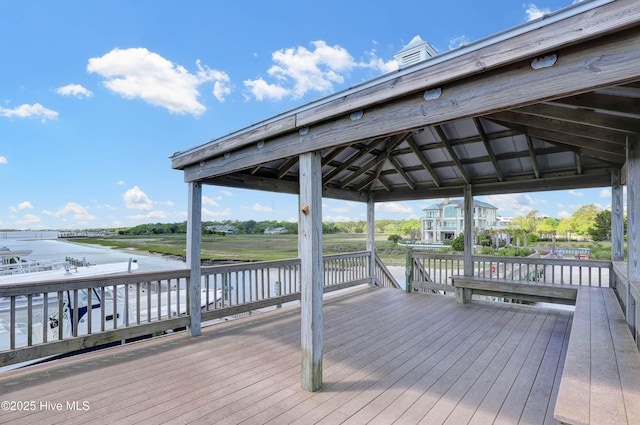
[445, 220]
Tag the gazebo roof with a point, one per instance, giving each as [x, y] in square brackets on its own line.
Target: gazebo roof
[546, 105]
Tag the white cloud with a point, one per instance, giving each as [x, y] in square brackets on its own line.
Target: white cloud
[394, 207]
[74, 90]
[209, 201]
[338, 218]
[564, 214]
[213, 214]
[261, 208]
[120, 182]
[575, 193]
[152, 215]
[24, 205]
[26, 111]
[533, 12]
[29, 219]
[262, 90]
[458, 41]
[4, 160]
[136, 199]
[75, 210]
[605, 193]
[137, 73]
[298, 70]
[517, 205]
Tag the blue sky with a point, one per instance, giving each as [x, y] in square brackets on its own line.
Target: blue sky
[95, 96]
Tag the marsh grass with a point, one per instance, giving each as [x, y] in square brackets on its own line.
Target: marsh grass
[249, 247]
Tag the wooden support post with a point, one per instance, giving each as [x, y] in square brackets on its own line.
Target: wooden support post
[371, 237]
[617, 217]
[408, 270]
[633, 223]
[468, 231]
[194, 242]
[311, 270]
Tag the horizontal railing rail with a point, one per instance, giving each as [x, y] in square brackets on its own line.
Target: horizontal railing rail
[434, 271]
[628, 294]
[60, 316]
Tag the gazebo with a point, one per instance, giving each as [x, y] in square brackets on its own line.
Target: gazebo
[548, 105]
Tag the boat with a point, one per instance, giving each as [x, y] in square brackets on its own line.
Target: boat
[46, 323]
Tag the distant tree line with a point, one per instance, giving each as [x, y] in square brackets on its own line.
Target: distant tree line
[400, 227]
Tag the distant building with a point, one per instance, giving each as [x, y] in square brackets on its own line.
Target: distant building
[445, 221]
[222, 228]
[275, 230]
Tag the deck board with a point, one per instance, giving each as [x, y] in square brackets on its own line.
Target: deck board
[389, 357]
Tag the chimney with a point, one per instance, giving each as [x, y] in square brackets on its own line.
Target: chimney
[416, 51]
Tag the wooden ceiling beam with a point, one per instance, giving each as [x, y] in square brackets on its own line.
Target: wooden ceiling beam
[287, 166]
[452, 153]
[582, 116]
[532, 156]
[351, 160]
[487, 146]
[568, 142]
[425, 164]
[608, 139]
[377, 161]
[402, 173]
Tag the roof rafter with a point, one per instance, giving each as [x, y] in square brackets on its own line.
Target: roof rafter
[487, 146]
[425, 164]
[443, 137]
[362, 152]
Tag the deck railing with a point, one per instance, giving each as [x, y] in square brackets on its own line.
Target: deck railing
[433, 271]
[56, 317]
[628, 294]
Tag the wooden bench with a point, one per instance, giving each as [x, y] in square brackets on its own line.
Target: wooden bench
[601, 376]
[466, 286]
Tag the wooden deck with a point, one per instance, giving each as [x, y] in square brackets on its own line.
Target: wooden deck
[389, 357]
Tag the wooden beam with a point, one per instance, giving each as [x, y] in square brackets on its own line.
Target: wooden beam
[400, 171]
[576, 70]
[533, 157]
[607, 138]
[371, 237]
[194, 242]
[377, 162]
[487, 146]
[592, 179]
[452, 153]
[352, 159]
[468, 231]
[617, 217]
[603, 102]
[582, 116]
[599, 151]
[334, 153]
[434, 176]
[633, 219]
[311, 270]
[287, 166]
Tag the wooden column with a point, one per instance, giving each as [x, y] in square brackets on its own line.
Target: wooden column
[194, 242]
[633, 222]
[617, 217]
[311, 269]
[468, 231]
[371, 237]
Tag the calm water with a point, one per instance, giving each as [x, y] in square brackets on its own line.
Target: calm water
[46, 246]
